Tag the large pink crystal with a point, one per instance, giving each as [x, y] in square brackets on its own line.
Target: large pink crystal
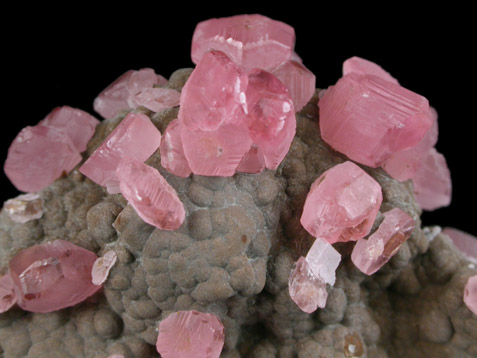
[135, 137]
[154, 200]
[252, 41]
[157, 99]
[172, 151]
[24, 208]
[368, 119]
[190, 334]
[364, 67]
[102, 266]
[52, 276]
[38, 156]
[370, 255]
[466, 243]
[8, 298]
[342, 204]
[470, 294]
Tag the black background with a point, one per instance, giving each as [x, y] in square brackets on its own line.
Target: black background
[67, 56]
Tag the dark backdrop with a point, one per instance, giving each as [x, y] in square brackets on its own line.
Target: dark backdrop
[67, 56]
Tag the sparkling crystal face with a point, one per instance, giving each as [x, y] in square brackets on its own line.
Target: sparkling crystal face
[40, 276]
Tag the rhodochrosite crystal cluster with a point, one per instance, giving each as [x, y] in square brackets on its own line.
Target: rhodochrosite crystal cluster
[232, 211]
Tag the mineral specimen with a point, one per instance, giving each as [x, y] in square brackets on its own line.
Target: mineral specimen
[24, 208]
[470, 294]
[466, 243]
[157, 99]
[172, 151]
[102, 266]
[362, 66]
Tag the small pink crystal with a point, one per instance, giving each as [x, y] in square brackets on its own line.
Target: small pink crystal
[470, 294]
[252, 162]
[432, 182]
[38, 156]
[364, 67]
[342, 204]
[135, 137]
[370, 255]
[116, 356]
[24, 208]
[368, 119]
[8, 298]
[299, 81]
[102, 266]
[154, 200]
[213, 94]
[52, 276]
[252, 41]
[466, 243]
[172, 152]
[190, 334]
[323, 260]
[77, 124]
[157, 99]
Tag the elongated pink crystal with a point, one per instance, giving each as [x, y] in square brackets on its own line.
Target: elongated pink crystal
[38, 156]
[364, 67]
[8, 298]
[154, 200]
[52, 276]
[371, 254]
[470, 294]
[342, 204]
[102, 266]
[466, 243]
[172, 151]
[380, 117]
[24, 208]
[190, 334]
[135, 137]
[157, 99]
[252, 41]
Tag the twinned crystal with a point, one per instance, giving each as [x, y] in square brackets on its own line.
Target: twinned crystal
[24, 208]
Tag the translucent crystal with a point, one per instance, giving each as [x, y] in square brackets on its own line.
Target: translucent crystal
[102, 266]
[24, 208]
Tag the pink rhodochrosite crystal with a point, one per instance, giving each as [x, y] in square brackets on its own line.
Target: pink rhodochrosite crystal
[52, 276]
[323, 260]
[432, 182]
[364, 67]
[252, 41]
[157, 99]
[102, 266]
[172, 152]
[77, 124]
[299, 81]
[24, 208]
[154, 200]
[342, 204]
[371, 254]
[252, 162]
[8, 298]
[470, 294]
[135, 137]
[466, 243]
[38, 156]
[368, 119]
[190, 334]
[213, 94]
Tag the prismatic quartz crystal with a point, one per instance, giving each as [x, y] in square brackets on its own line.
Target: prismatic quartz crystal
[24, 208]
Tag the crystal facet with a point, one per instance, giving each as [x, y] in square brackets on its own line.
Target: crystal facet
[252, 162]
[102, 266]
[364, 67]
[470, 294]
[323, 260]
[172, 151]
[157, 99]
[8, 298]
[24, 208]
[190, 334]
[466, 243]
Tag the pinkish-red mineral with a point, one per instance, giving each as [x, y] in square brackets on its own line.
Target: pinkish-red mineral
[24, 208]
[252, 162]
[172, 151]
[157, 99]
[470, 294]
[466, 243]
[8, 298]
[364, 67]
[102, 266]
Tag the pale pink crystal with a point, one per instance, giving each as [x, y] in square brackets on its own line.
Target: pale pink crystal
[8, 298]
[157, 99]
[371, 254]
[252, 162]
[135, 137]
[190, 334]
[323, 260]
[154, 200]
[102, 266]
[252, 41]
[364, 67]
[77, 124]
[116, 356]
[470, 294]
[342, 204]
[52, 276]
[368, 119]
[299, 81]
[213, 94]
[24, 208]
[38, 156]
[466, 243]
[172, 152]
[432, 182]
[306, 289]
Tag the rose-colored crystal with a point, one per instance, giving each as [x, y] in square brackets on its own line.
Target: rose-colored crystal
[465, 242]
[172, 152]
[252, 41]
[38, 156]
[364, 67]
[52, 276]
[299, 81]
[470, 294]
[157, 99]
[271, 117]
[323, 260]
[8, 298]
[24, 208]
[342, 204]
[368, 119]
[77, 124]
[213, 94]
[432, 182]
[102, 266]
[190, 334]
[371, 254]
[135, 137]
[154, 200]
[252, 162]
